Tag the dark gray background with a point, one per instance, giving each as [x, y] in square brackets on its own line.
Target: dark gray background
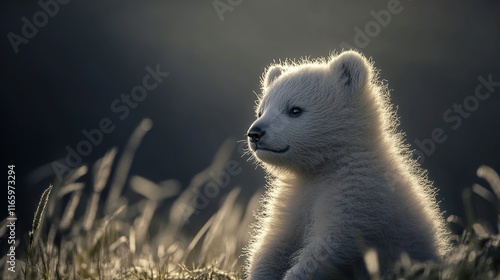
[65, 78]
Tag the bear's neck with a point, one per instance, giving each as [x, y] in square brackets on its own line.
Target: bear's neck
[351, 158]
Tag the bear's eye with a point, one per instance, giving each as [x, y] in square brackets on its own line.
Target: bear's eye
[259, 115]
[295, 112]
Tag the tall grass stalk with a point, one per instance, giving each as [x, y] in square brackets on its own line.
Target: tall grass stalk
[33, 233]
[124, 165]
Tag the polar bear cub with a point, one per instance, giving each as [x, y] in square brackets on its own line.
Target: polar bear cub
[340, 178]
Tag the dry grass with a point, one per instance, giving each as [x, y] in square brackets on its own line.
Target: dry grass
[112, 240]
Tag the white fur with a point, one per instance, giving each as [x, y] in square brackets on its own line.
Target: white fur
[347, 181]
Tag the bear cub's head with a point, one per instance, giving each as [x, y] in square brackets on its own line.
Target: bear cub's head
[309, 112]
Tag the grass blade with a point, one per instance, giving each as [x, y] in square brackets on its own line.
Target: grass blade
[37, 219]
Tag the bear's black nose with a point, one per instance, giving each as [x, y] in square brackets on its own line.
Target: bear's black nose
[255, 134]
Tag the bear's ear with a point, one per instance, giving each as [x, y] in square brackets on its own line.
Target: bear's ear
[272, 73]
[351, 71]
